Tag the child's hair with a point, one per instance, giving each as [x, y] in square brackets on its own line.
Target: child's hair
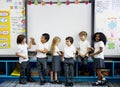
[70, 39]
[102, 37]
[55, 40]
[20, 38]
[46, 35]
[83, 33]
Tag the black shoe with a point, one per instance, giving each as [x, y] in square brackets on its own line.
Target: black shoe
[22, 82]
[30, 80]
[42, 82]
[96, 84]
[66, 84]
[71, 84]
[103, 82]
[57, 82]
[52, 82]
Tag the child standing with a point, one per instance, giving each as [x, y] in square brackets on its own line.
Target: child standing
[54, 50]
[83, 49]
[99, 46]
[69, 56]
[22, 52]
[42, 57]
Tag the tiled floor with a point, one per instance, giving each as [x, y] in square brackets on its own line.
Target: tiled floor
[36, 84]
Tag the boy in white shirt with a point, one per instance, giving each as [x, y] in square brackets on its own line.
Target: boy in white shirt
[69, 56]
[83, 49]
[42, 57]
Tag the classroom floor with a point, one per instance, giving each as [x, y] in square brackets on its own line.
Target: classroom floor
[36, 84]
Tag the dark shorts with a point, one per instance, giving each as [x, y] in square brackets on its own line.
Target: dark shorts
[56, 63]
[99, 63]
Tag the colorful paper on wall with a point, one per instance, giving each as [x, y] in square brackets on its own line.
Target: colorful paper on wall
[4, 29]
[8, 0]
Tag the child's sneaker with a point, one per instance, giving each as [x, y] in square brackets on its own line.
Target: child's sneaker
[71, 84]
[103, 82]
[98, 83]
[52, 82]
[22, 82]
[57, 82]
[66, 84]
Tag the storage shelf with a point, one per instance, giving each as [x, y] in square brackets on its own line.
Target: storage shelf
[8, 66]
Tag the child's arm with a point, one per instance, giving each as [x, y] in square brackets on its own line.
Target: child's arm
[88, 50]
[20, 55]
[29, 45]
[59, 53]
[99, 51]
[42, 51]
[63, 57]
[78, 49]
[74, 57]
[32, 42]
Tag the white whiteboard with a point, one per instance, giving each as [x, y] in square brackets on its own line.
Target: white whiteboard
[15, 8]
[107, 20]
[62, 21]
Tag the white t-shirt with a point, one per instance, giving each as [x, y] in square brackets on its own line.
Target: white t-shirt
[42, 46]
[83, 45]
[97, 46]
[56, 50]
[22, 49]
[69, 51]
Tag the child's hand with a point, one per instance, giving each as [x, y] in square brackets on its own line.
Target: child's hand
[32, 40]
[37, 50]
[91, 55]
[78, 50]
[91, 48]
[24, 57]
[63, 59]
[82, 55]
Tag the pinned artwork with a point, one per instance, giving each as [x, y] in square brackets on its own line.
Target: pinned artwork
[43, 3]
[11, 7]
[15, 3]
[15, 7]
[112, 34]
[67, 2]
[20, 3]
[23, 21]
[29, 2]
[51, 2]
[86, 2]
[9, 1]
[59, 3]
[76, 1]
[23, 12]
[4, 29]
[35, 2]
[111, 45]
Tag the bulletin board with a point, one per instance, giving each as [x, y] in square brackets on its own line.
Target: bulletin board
[59, 20]
[107, 20]
[12, 23]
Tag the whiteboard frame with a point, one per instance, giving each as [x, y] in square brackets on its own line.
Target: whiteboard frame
[92, 10]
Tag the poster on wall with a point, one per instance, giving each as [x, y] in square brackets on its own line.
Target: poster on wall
[107, 20]
[12, 23]
[4, 29]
